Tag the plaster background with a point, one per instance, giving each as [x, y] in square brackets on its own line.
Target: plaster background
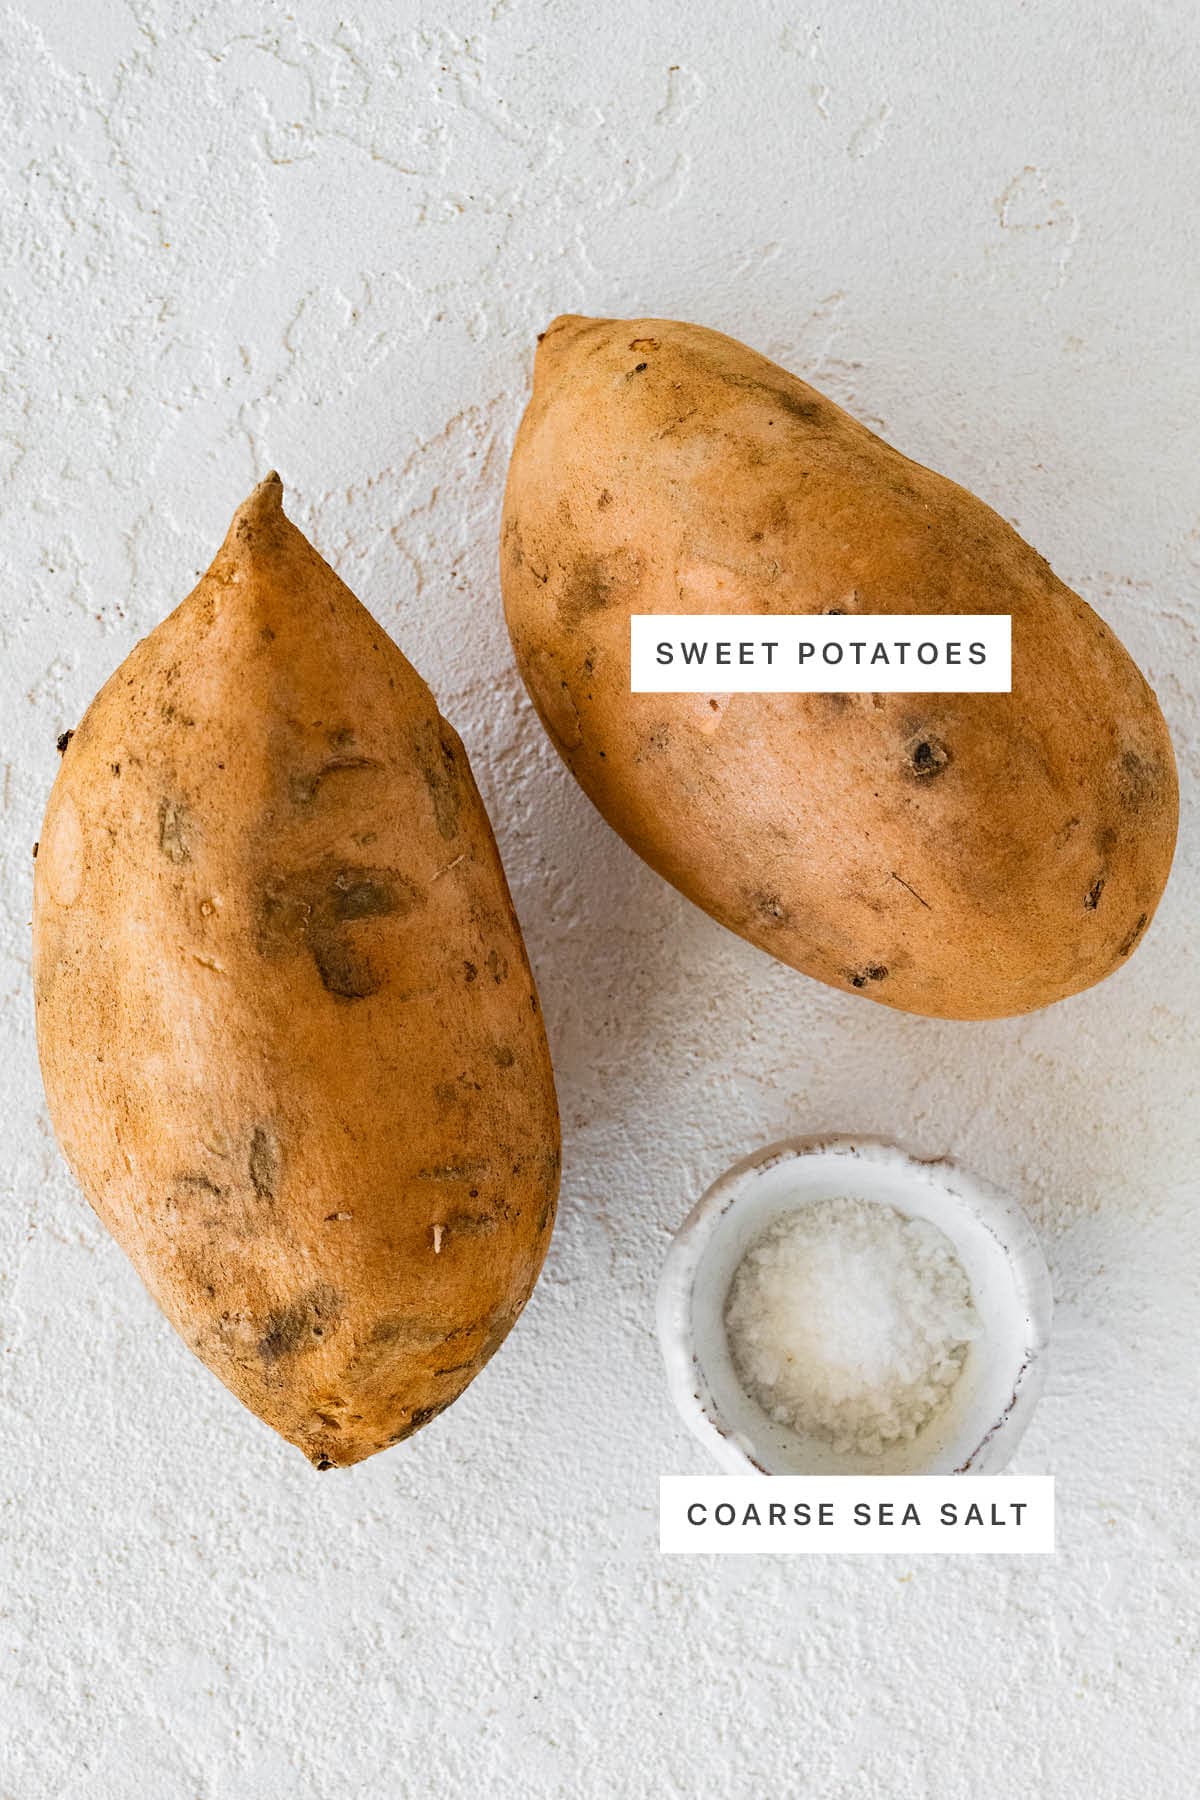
[242, 236]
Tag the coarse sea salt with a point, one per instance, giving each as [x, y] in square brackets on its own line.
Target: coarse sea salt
[850, 1322]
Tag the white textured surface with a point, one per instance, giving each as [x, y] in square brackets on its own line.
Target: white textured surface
[240, 236]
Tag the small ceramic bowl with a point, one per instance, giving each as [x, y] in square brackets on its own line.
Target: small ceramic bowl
[977, 1430]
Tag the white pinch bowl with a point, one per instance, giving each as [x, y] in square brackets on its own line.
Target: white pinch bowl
[977, 1429]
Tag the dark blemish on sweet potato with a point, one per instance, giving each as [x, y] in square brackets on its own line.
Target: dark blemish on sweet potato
[503, 1055]
[470, 1224]
[496, 965]
[438, 764]
[496, 1335]
[769, 906]
[410, 1330]
[810, 410]
[644, 344]
[1138, 781]
[393, 1331]
[197, 1179]
[264, 1162]
[861, 978]
[589, 588]
[365, 894]
[1091, 899]
[603, 500]
[174, 829]
[927, 757]
[421, 1417]
[471, 972]
[314, 908]
[343, 973]
[288, 1330]
[594, 582]
[61, 742]
[640, 368]
[458, 1171]
[1131, 937]
[304, 788]
[456, 1368]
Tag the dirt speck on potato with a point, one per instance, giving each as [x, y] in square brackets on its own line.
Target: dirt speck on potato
[300, 1325]
[861, 978]
[927, 757]
[594, 582]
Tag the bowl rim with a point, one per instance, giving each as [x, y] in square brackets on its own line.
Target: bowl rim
[993, 1206]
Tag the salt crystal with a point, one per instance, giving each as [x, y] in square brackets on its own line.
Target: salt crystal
[849, 1322]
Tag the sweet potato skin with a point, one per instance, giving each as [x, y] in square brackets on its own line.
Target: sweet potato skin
[963, 856]
[290, 1039]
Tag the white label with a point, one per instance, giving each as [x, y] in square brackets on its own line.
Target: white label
[803, 1515]
[822, 653]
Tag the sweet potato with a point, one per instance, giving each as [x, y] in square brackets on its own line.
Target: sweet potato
[960, 855]
[290, 1039]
